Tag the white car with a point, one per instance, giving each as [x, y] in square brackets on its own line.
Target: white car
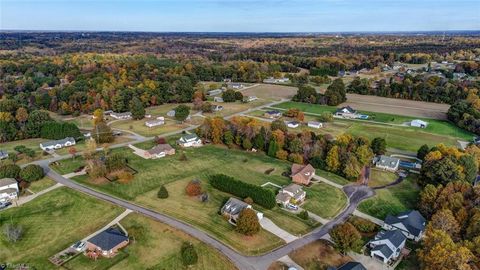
[79, 246]
[292, 206]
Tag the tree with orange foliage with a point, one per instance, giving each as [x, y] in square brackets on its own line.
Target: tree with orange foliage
[217, 129]
[72, 151]
[193, 188]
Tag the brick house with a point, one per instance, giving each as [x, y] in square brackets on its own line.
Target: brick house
[302, 174]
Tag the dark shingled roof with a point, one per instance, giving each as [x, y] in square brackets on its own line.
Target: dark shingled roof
[395, 237]
[412, 220]
[108, 238]
[352, 266]
[384, 249]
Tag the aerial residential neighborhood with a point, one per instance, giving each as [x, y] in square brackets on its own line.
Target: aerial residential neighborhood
[240, 135]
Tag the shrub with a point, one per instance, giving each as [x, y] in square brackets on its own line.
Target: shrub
[193, 188]
[9, 171]
[32, 173]
[362, 225]
[183, 157]
[269, 171]
[125, 177]
[162, 193]
[248, 200]
[281, 154]
[247, 222]
[295, 158]
[13, 233]
[260, 195]
[303, 215]
[189, 254]
[326, 117]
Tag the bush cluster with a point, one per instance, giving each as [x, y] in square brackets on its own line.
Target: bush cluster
[59, 130]
[32, 173]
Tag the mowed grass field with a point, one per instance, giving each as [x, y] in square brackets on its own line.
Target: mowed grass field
[324, 200]
[138, 126]
[156, 246]
[51, 223]
[392, 200]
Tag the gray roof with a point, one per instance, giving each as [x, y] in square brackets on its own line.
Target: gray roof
[412, 220]
[352, 266]
[395, 237]
[234, 206]
[189, 136]
[391, 162]
[283, 197]
[293, 188]
[62, 142]
[384, 249]
[160, 148]
[7, 181]
[121, 114]
[348, 108]
[108, 239]
[273, 112]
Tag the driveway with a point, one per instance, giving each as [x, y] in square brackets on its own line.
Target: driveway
[268, 225]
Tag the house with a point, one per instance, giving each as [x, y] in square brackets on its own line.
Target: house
[171, 113]
[349, 266]
[235, 85]
[387, 245]
[346, 112]
[154, 123]
[3, 154]
[159, 151]
[293, 124]
[292, 193]
[214, 92]
[302, 174]
[314, 124]
[418, 123]
[387, 163]
[218, 99]
[249, 99]
[410, 223]
[232, 208]
[274, 80]
[8, 189]
[272, 114]
[217, 108]
[190, 140]
[57, 144]
[108, 242]
[121, 116]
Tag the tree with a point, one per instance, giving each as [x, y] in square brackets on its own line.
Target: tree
[326, 117]
[364, 154]
[281, 154]
[335, 93]
[278, 125]
[32, 173]
[193, 188]
[303, 214]
[246, 144]
[102, 133]
[189, 254]
[229, 96]
[21, 115]
[445, 221]
[346, 237]
[13, 232]
[440, 171]
[247, 222]
[379, 146]
[9, 171]
[228, 138]
[162, 192]
[295, 158]
[182, 112]
[352, 168]
[72, 151]
[238, 96]
[333, 159]
[137, 109]
[98, 116]
[423, 151]
[272, 148]
[36, 120]
[470, 167]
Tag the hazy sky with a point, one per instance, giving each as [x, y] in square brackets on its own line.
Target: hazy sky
[240, 15]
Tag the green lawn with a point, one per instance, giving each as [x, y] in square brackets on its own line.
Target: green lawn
[392, 200]
[68, 165]
[138, 126]
[41, 184]
[324, 200]
[51, 223]
[33, 144]
[332, 177]
[380, 177]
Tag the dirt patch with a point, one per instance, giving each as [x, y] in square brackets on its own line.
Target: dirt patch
[278, 266]
[271, 92]
[317, 255]
[397, 106]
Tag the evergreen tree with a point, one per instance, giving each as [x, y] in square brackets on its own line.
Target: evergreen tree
[162, 192]
[137, 109]
[272, 148]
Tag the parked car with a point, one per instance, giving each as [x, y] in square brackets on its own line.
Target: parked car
[5, 204]
[292, 206]
[79, 246]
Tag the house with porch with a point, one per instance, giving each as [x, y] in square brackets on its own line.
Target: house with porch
[292, 193]
[232, 208]
[57, 144]
[302, 174]
[108, 242]
[410, 223]
[121, 116]
[387, 245]
[387, 163]
[155, 123]
[190, 140]
[346, 112]
[272, 114]
[8, 189]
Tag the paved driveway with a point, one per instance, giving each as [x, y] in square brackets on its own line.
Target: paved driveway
[268, 225]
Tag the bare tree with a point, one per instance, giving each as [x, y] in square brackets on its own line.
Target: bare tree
[13, 232]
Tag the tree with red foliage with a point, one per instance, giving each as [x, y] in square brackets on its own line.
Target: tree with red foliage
[193, 188]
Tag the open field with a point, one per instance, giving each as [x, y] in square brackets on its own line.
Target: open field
[156, 246]
[41, 184]
[332, 177]
[271, 92]
[392, 200]
[318, 255]
[320, 195]
[380, 177]
[51, 223]
[230, 108]
[33, 144]
[138, 126]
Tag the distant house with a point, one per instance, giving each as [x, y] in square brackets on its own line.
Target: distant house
[346, 112]
[57, 144]
[154, 123]
[387, 163]
[387, 245]
[410, 223]
[214, 92]
[276, 80]
[302, 174]
[190, 140]
[218, 99]
[232, 208]
[418, 123]
[272, 114]
[121, 116]
[3, 154]
[217, 108]
[8, 189]
[292, 193]
[293, 124]
[250, 98]
[349, 266]
[108, 242]
[171, 113]
[314, 124]
[159, 151]
[235, 85]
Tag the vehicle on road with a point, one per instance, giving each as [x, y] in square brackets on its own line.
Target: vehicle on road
[4, 205]
[292, 206]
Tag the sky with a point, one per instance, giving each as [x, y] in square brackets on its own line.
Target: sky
[240, 15]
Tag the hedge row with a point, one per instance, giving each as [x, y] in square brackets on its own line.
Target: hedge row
[59, 130]
[259, 195]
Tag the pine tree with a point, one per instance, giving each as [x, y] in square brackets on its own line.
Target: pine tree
[333, 162]
[162, 192]
[272, 148]
[137, 109]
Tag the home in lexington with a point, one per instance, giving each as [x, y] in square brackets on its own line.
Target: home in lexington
[346, 112]
[410, 223]
[218, 99]
[272, 114]
[249, 98]
[232, 208]
[155, 123]
[387, 245]
[3, 154]
[235, 85]
[190, 140]
[121, 116]
[302, 174]
[217, 108]
[387, 163]
[159, 151]
[293, 124]
[108, 242]
[418, 123]
[8, 189]
[292, 193]
[314, 124]
[214, 92]
[57, 144]
[276, 80]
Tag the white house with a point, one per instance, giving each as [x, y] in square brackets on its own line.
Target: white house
[418, 123]
[346, 112]
[387, 163]
[57, 144]
[274, 80]
[190, 140]
[3, 154]
[217, 108]
[410, 223]
[154, 123]
[121, 116]
[171, 113]
[293, 124]
[292, 193]
[235, 85]
[214, 92]
[218, 99]
[232, 208]
[387, 245]
[314, 124]
[250, 98]
[272, 114]
[8, 189]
